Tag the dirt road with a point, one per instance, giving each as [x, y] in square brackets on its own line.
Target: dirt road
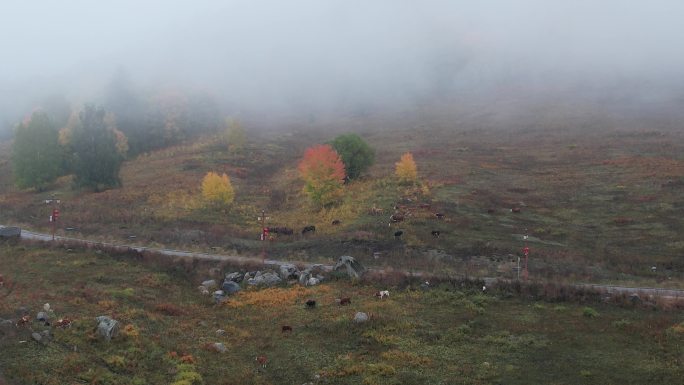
[610, 289]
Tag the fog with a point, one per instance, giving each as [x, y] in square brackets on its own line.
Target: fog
[303, 57]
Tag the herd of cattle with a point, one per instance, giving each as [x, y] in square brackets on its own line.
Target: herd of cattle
[401, 212]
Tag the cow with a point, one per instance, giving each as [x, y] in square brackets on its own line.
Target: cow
[439, 215]
[310, 304]
[23, 321]
[286, 328]
[398, 234]
[382, 294]
[515, 210]
[262, 360]
[396, 218]
[309, 229]
[63, 323]
[375, 211]
[345, 301]
[435, 233]
[336, 222]
[281, 230]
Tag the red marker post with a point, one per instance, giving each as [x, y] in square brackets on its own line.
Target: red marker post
[53, 218]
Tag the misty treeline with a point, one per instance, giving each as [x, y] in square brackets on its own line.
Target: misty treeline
[91, 141]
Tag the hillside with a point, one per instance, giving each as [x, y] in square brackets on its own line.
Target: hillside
[450, 333]
[599, 196]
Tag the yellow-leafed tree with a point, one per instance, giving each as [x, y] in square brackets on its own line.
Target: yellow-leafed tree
[406, 169]
[217, 189]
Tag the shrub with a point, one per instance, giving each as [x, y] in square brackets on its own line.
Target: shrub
[589, 312]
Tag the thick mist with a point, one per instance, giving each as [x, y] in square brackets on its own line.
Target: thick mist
[303, 57]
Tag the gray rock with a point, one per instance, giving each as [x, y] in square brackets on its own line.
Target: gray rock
[37, 337]
[220, 332]
[107, 327]
[288, 271]
[246, 277]
[271, 279]
[361, 317]
[230, 287]
[203, 290]
[7, 328]
[265, 279]
[42, 316]
[235, 277]
[219, 296]
[304, 276]
[221, 348]
[312, 281]
[349, 265]
[209, 284]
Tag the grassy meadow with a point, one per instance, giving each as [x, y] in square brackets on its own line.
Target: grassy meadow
[599, 204]
[450, 334]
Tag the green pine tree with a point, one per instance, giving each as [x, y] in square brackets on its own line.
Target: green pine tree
[36, 155]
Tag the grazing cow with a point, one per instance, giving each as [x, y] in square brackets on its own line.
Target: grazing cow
[439, 215]
[336, 222]
[310, 304]
[262, 360]
[286, 328]
[375, 211]
[396, 218]
[515, 210]
[281, 230]
[345, 301]
[435, 233]
[309, 229]
[23, 321]
[382, 294]
[398, 234]
[63, 323]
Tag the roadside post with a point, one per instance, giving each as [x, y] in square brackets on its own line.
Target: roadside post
[54, 216]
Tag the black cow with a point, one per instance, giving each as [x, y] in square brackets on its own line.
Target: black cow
[435, 233]
[309, 229]
[396, 218]
[310, 304]
[439, 215]
[398, 234]
[336, 222]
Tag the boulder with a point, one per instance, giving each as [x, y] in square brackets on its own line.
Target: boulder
[220, 332]
[42, 316]
[288, 271]
[7, 328]
[265, 279]
[209, 284]
[219, 347]
[350, 266]
[271, 279]
[230, 287]
[304, 276]
[235, 277]
[203, 290]
[361, 317]
[219, 296]
[107, 327]
[313, 281]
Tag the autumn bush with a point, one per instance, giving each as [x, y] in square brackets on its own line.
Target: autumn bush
[406, 169]
[323, 173]
[217, 189]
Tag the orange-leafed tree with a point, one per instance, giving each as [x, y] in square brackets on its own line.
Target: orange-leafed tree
[323, 173]
[217, 189]
[406, 169]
